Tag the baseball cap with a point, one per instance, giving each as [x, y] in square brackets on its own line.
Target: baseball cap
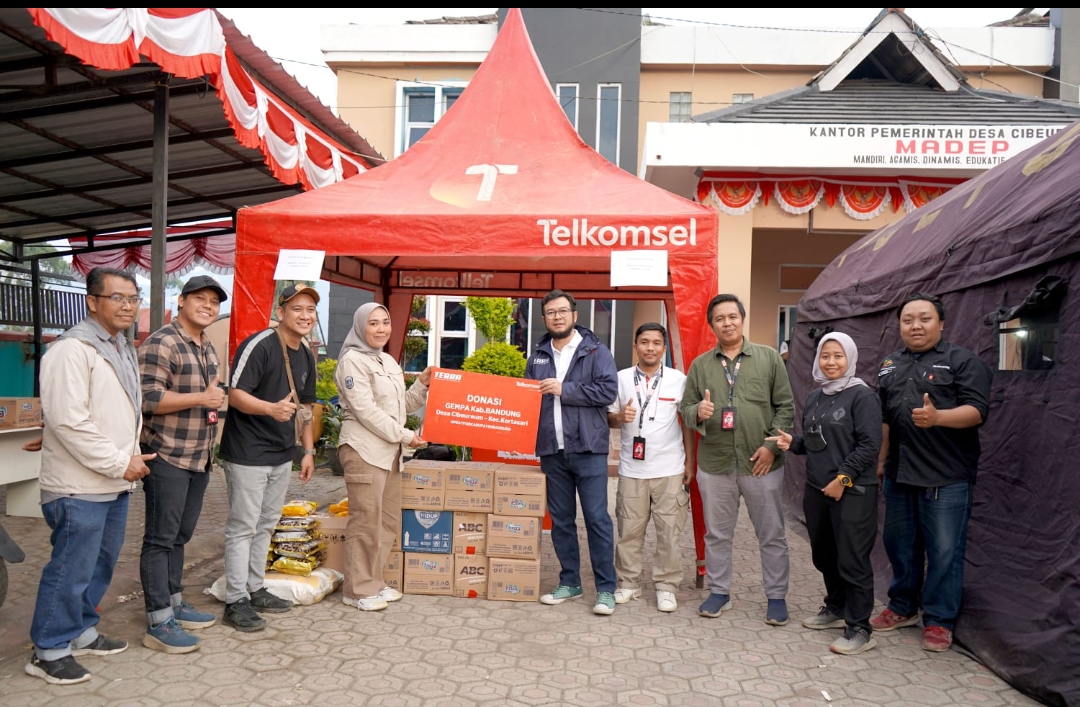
[204, 282]
[300, 289]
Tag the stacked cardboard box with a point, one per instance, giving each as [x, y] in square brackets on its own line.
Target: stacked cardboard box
[514, 533]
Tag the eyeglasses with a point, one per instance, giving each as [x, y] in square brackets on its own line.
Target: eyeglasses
[558, 313]
[120, 299]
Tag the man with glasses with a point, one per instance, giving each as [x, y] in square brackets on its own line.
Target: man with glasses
[578, 380]
[181, 396]
[90, 459]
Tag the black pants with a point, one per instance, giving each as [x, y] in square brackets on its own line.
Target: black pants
[174, 499]
[842, 535]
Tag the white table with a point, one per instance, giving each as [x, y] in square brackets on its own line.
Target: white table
[19, 471]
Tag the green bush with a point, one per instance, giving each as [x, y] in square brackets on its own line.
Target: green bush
[325, 388]
[493, 315]
[498, 358]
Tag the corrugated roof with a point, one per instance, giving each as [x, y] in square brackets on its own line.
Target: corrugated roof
[877, 101]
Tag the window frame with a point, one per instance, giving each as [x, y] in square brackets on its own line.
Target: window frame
[403, 89]
[689, 105]
[618, 118]
[577, 100]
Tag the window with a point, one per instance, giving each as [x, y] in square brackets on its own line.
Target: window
[520, 327]
[741, 97]
[679, 107]
[603, 321]
[420, 106]
[568, 99]
[1028, 333]
[608, 114]
[786, 324]
[454, 332]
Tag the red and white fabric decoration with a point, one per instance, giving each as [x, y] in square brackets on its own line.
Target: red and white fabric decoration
[214, 253]
[734, 198]
[862, 199]
[189, 42]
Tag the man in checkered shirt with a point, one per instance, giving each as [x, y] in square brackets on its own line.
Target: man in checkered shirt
[180, 370]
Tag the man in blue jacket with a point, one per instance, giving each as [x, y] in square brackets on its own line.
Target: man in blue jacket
[579, 381]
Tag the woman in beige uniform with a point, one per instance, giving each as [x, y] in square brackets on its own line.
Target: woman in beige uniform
[371, 387]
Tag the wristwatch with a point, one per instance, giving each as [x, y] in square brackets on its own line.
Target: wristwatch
[845, 480]
[308, 451]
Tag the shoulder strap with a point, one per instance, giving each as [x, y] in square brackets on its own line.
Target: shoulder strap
[288, 366]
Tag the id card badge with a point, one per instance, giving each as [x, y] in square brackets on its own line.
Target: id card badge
[727, 418]
[211, 417]
[639, 448]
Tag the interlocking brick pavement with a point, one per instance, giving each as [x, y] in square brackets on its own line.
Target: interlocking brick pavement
[445, 652]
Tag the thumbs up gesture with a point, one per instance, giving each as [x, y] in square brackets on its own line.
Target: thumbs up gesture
[706, 408]
[284, 410]
[213, 396]
[927, 415]
[629, 413]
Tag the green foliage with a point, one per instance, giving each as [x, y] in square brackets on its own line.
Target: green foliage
[333, 416]
[493, 315]
[412, 422]
[325, 388]
[498, 358]
[419, 303]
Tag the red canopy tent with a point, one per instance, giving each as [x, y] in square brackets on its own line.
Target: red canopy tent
[500, 198]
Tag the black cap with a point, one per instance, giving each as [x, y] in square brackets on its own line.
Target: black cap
[299, 289]
[204, 282]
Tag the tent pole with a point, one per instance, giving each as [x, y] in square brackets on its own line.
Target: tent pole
[35, 299]
[160, 205]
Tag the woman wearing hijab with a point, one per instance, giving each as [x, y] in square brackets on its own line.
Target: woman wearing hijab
[841, 438]
[371, 386]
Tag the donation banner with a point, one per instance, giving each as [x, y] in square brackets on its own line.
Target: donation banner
[482, 410]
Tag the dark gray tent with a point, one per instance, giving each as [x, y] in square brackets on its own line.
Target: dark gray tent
[1003, 251]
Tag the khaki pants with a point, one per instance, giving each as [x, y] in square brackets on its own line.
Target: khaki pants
[636, 500]
[374, 522]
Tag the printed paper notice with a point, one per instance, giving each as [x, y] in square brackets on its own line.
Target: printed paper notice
[646, 268]
[301, 265]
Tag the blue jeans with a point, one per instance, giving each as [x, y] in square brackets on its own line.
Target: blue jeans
[585, 474]
[174, 499]
[86, 539]
[927, 527]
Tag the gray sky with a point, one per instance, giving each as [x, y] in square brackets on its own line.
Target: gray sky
[294, 34]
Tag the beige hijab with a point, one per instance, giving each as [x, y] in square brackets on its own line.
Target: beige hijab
[356, 339]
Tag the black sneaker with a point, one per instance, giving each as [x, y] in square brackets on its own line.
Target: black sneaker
[242, 617]
[62, 671]
[264, 601]
[101, 646]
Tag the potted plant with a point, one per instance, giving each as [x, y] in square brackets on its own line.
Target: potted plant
[325, 392]
[333, 416]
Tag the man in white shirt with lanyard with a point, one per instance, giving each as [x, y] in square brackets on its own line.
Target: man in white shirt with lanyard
[653, 468]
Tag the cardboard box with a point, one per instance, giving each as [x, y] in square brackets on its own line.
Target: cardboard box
[423, 499]
[514, 537]
[332, 531]
[513, 580]
[520, 479]
[470, 533]
[392, 571]
[520, 504]
[424, 473]
[471, 476]
[470, 576]
[470, 501]
[427, 531]
[16, 413]
[427, 573]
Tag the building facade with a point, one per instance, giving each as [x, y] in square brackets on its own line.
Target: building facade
[803, 140]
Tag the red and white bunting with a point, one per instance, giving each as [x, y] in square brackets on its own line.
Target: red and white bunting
[214, 253]
[189, 42]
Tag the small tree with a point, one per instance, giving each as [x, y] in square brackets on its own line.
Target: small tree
[493, 317]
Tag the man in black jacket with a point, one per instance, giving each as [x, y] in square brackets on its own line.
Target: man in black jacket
[578, 380]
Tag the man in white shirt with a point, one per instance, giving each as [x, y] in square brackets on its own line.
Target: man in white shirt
[653, 468]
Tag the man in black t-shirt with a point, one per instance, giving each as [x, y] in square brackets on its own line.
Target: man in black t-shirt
[257, 449]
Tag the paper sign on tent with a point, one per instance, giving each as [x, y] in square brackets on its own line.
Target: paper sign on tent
[647, 268]
[300, 265]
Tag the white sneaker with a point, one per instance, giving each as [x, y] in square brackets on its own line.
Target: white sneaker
[375, 603]
[389, 594]
[665, 601]
[624, 594]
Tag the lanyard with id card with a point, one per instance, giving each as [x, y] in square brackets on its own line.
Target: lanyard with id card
[727, 413]
[639, 440]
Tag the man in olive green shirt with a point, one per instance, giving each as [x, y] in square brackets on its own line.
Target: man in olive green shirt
[737, 395]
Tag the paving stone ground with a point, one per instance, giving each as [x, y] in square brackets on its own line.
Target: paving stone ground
[445, 652]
